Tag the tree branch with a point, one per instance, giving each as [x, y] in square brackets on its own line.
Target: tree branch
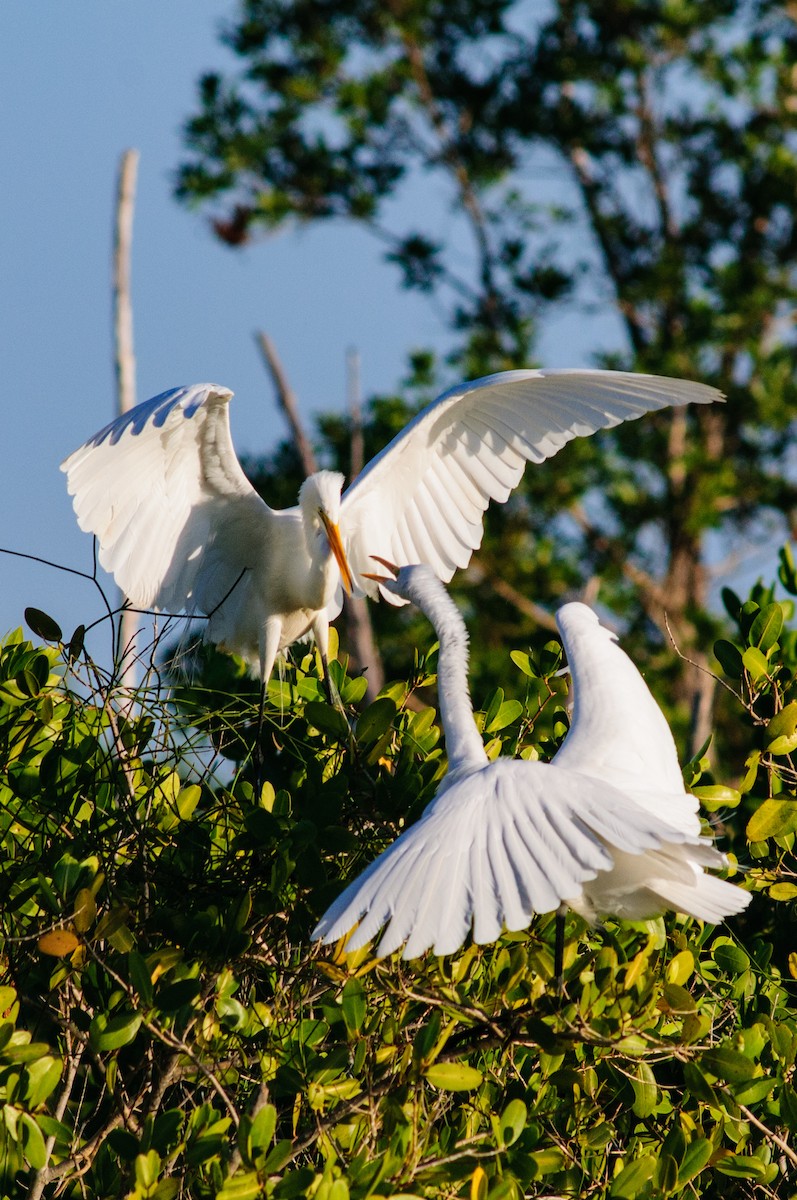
[125, 364]
[286, 401]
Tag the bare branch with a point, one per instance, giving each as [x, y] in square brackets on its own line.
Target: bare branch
[354, 391]
[509, 593]
[124, 361]
[359, 628]
[286, 400]
[590, 190]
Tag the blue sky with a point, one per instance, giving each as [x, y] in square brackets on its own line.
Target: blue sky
[82, 82]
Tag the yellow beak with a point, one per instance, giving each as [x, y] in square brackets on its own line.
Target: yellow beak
[336, 546]
[382, 578]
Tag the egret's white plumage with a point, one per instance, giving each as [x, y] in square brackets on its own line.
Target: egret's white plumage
[181, 529]
[606, 828]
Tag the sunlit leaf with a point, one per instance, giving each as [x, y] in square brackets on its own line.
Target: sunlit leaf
[454, 1077]
[58, 942]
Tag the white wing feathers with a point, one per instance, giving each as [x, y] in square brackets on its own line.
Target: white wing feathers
[618, 732]
[422, 499]
[157, 486]
[510, 840]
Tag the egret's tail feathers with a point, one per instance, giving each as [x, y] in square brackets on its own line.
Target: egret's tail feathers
[707, 898]
[642, 886]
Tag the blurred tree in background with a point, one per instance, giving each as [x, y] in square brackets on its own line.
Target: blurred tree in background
[638, 157]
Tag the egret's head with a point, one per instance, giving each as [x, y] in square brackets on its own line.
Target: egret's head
[414, 582]
[319, 501]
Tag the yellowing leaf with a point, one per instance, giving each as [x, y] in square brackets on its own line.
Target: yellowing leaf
[783, 891]
[773, 818]
[680, 967]
[478, 1185]
[85, 910]
[58, 942]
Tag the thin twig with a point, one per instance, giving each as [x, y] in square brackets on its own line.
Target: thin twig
[769, 1133]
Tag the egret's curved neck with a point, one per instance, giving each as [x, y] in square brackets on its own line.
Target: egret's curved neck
[463, 741]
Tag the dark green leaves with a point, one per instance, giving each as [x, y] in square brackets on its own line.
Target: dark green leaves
[42, 625]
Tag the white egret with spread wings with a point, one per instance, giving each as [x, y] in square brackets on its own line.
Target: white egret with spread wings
[606, 828]
[181, 528]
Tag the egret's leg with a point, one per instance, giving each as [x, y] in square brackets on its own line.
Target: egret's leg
[269, 648]
[321, 635]
[559, 950]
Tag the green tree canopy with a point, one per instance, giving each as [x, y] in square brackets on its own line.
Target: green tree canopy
[665, 134]
[167, 1030]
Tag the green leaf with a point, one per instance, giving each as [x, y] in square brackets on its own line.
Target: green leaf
[646, 1093]
[327, 719]
[727, 1064]
[376, 720]
[43, 1077]
[765, 630]
[513, 1121]
[147, 1169]
[773, 818]
[784, 723]
[42, 625]
[730, 958]
[85, 911]
[261, 1132]
[282, 1153]
[76, 643]
[729, 657]
[187, 800]
[740, 1166]
[630, 1181]
[781, 746]
[755, 662]
[353, 1005]
[696, 1158]
[454, 1077]
[110, 1033]
[678, 999]
[717, 795]
[699, 1086]
[177, 995]
[523, 662]
[24, 1051]
[167, 1189]
[508, 712]
[32, 1139]
[140, 976]
[493, 707]
[244, 1185]
[666, 1174]
[732, 602]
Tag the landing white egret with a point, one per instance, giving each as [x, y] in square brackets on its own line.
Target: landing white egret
[181, 528]
[606, 828]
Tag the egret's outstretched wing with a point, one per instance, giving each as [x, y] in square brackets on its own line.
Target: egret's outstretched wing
[510, 840]
[422, 499]
[618, 732]
[158, 486]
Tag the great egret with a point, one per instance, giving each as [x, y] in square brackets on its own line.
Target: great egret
[606, 828]
[181, 528]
